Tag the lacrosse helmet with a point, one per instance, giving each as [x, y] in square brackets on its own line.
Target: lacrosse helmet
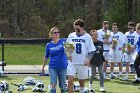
[39, 87]
[4, 86]
[29, 80]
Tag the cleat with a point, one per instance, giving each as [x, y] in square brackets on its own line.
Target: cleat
[125, 79]
[112, 76]
[102, 89]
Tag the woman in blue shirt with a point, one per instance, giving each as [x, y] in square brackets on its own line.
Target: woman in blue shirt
[137, 60]
[58, 61]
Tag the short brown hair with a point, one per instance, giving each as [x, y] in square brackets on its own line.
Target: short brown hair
[131, 23]
[79, 22]
[105, 22]
[93, 31]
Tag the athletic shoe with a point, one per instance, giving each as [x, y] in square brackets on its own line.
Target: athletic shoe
[112, 76]
[136, 81]
[120, 76]
[102, 89]
[91, 91]
[125, 79]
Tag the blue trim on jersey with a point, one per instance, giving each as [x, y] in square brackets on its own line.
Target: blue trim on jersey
[138, 46]
[131, 32]
[56, 54]
[78, 35]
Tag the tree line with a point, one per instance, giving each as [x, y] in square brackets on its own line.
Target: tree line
[34, 18]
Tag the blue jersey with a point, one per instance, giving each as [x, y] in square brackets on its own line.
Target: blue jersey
[138, 44]
[57, 55]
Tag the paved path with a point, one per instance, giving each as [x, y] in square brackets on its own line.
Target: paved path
[23, 68]
[34, 69]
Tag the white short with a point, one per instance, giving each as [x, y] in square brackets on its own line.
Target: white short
[81, 69]
[115, 56]
[106, 55]
[129, 57]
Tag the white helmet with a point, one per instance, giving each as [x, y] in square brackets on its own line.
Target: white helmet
[76, 87]
[39, 87]
[29, 80]
[4, 86]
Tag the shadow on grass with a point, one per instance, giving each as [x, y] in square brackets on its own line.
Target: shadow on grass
[128, 82]
[103, 92]
[6, 78]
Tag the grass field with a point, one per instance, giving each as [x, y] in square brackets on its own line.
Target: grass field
[23, 54]
[26, 54]
[112, 86]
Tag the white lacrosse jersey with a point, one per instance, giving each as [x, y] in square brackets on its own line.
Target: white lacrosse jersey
[119, 37]
[131, 37]
[83, 45]
[101, 37]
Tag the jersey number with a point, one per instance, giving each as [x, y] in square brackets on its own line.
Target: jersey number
[78, 48]
[131, 41]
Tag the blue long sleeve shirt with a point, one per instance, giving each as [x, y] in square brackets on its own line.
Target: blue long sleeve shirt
[56, 54]
[138, 46]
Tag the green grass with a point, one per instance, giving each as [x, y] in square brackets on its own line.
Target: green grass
[24, 54]
[112, 86]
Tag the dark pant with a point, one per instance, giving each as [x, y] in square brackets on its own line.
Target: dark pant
[137, 66]
[100, 70]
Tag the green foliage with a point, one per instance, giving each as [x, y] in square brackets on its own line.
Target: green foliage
[34, 18]
[117, 13]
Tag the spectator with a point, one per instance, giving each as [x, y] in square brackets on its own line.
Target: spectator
[97, 61]
[58, 61]
[137, 61]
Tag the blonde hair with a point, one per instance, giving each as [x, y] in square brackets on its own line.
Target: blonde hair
[51, 31]
[138, 26]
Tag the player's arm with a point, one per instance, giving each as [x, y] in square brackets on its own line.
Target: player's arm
[91, 50]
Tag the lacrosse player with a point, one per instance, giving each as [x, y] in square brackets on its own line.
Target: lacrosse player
[84, 48]
[104, 36]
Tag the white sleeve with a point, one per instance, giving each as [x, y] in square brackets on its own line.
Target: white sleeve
[90, 44]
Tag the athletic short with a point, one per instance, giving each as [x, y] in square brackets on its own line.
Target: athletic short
[129, 57]
[81, 69]
[115, 56]
[106, 55]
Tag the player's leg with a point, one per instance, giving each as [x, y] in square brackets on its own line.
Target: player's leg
[112, 70]
[70, 73]
[119, 59]
[112, 60]
[127, 60]
[62, 79]
[107, 57]
[82, 75]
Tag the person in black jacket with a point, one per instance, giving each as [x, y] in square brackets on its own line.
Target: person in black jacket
[97, 61]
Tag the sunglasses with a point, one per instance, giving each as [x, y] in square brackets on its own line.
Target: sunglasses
[55, 32]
